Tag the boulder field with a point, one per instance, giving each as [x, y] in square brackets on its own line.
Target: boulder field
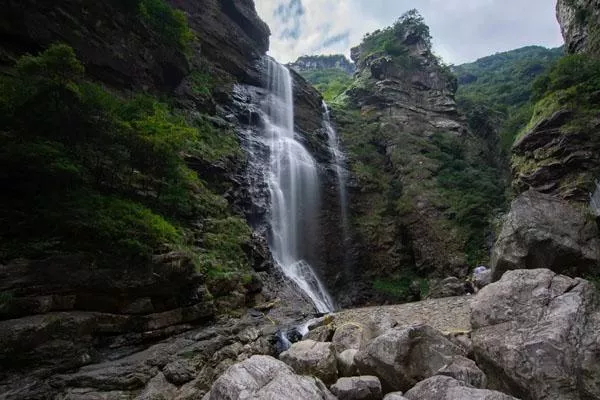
[534, 334]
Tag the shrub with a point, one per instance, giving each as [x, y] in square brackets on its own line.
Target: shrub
[170, 24]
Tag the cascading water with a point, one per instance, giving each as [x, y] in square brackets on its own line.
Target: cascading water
[293, 186]
[340, 160]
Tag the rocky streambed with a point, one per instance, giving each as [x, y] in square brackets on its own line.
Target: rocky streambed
[532, 335]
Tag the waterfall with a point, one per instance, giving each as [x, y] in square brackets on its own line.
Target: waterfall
[293, 184]
[340, 171]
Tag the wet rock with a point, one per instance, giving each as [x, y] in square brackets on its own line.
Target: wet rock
[404, 356]
[312, 358]
[535, 334]
[448, 287]
[542, 231]
[264, 377]
[446, 388]
[357, 388]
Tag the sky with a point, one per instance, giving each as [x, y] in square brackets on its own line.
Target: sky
[462, 30]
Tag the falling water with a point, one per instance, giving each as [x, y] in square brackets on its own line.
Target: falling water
[294, 188]
[340, 171]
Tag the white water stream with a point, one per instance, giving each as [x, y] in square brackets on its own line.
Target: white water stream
[293, 186]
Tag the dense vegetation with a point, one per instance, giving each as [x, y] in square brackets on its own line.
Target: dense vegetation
[392, 41]
[498, 88]
[170, 24]
[84, 169]
[330, 82]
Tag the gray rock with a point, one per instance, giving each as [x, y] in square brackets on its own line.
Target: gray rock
[320, 334]
[394, 396]
[482, 279]
[158, 389]
[179, 372]
[346, 363]
[446, 388]
[465, 370]
[263, 377]
[312, 358]
[404, 356]
[358, 388]
[449, 287]
[350, 335]
[542, 231]
[536, 335]
[578, 32]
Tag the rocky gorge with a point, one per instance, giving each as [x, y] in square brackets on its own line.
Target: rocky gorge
[259, 247]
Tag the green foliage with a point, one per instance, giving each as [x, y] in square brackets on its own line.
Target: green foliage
[91, 172]
[573, 83]
[502, 85]
[330, 82]
[473, 188]
[403, 287]
[170, 24]
[393, 40]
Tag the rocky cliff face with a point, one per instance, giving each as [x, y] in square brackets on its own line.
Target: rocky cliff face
[580, 23]
[398, 122]
[315, 63]
[61, 313]
[556, 155]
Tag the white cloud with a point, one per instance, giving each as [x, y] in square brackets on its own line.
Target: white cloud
[463, 30]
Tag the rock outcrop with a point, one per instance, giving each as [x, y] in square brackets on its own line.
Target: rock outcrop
[579, 21]
[535, 334]
[319, 63]
[542, 231]
[395, 121]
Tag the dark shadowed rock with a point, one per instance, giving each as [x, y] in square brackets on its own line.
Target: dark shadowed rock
[542, 231]
[446, 388]
[357, 388]
[536, 335]
[448, 287]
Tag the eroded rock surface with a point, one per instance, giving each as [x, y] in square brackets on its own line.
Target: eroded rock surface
[542, 231]
[445, 388]
[262, 377]
[312, 358]
[404, 356]
[535, 334]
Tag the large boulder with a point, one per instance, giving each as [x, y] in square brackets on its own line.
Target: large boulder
[404, 356]
[446, 388]
[536, 335]
[348, 336]
[312, 358]
[542, 231]
[358, 388]
[263, 377]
